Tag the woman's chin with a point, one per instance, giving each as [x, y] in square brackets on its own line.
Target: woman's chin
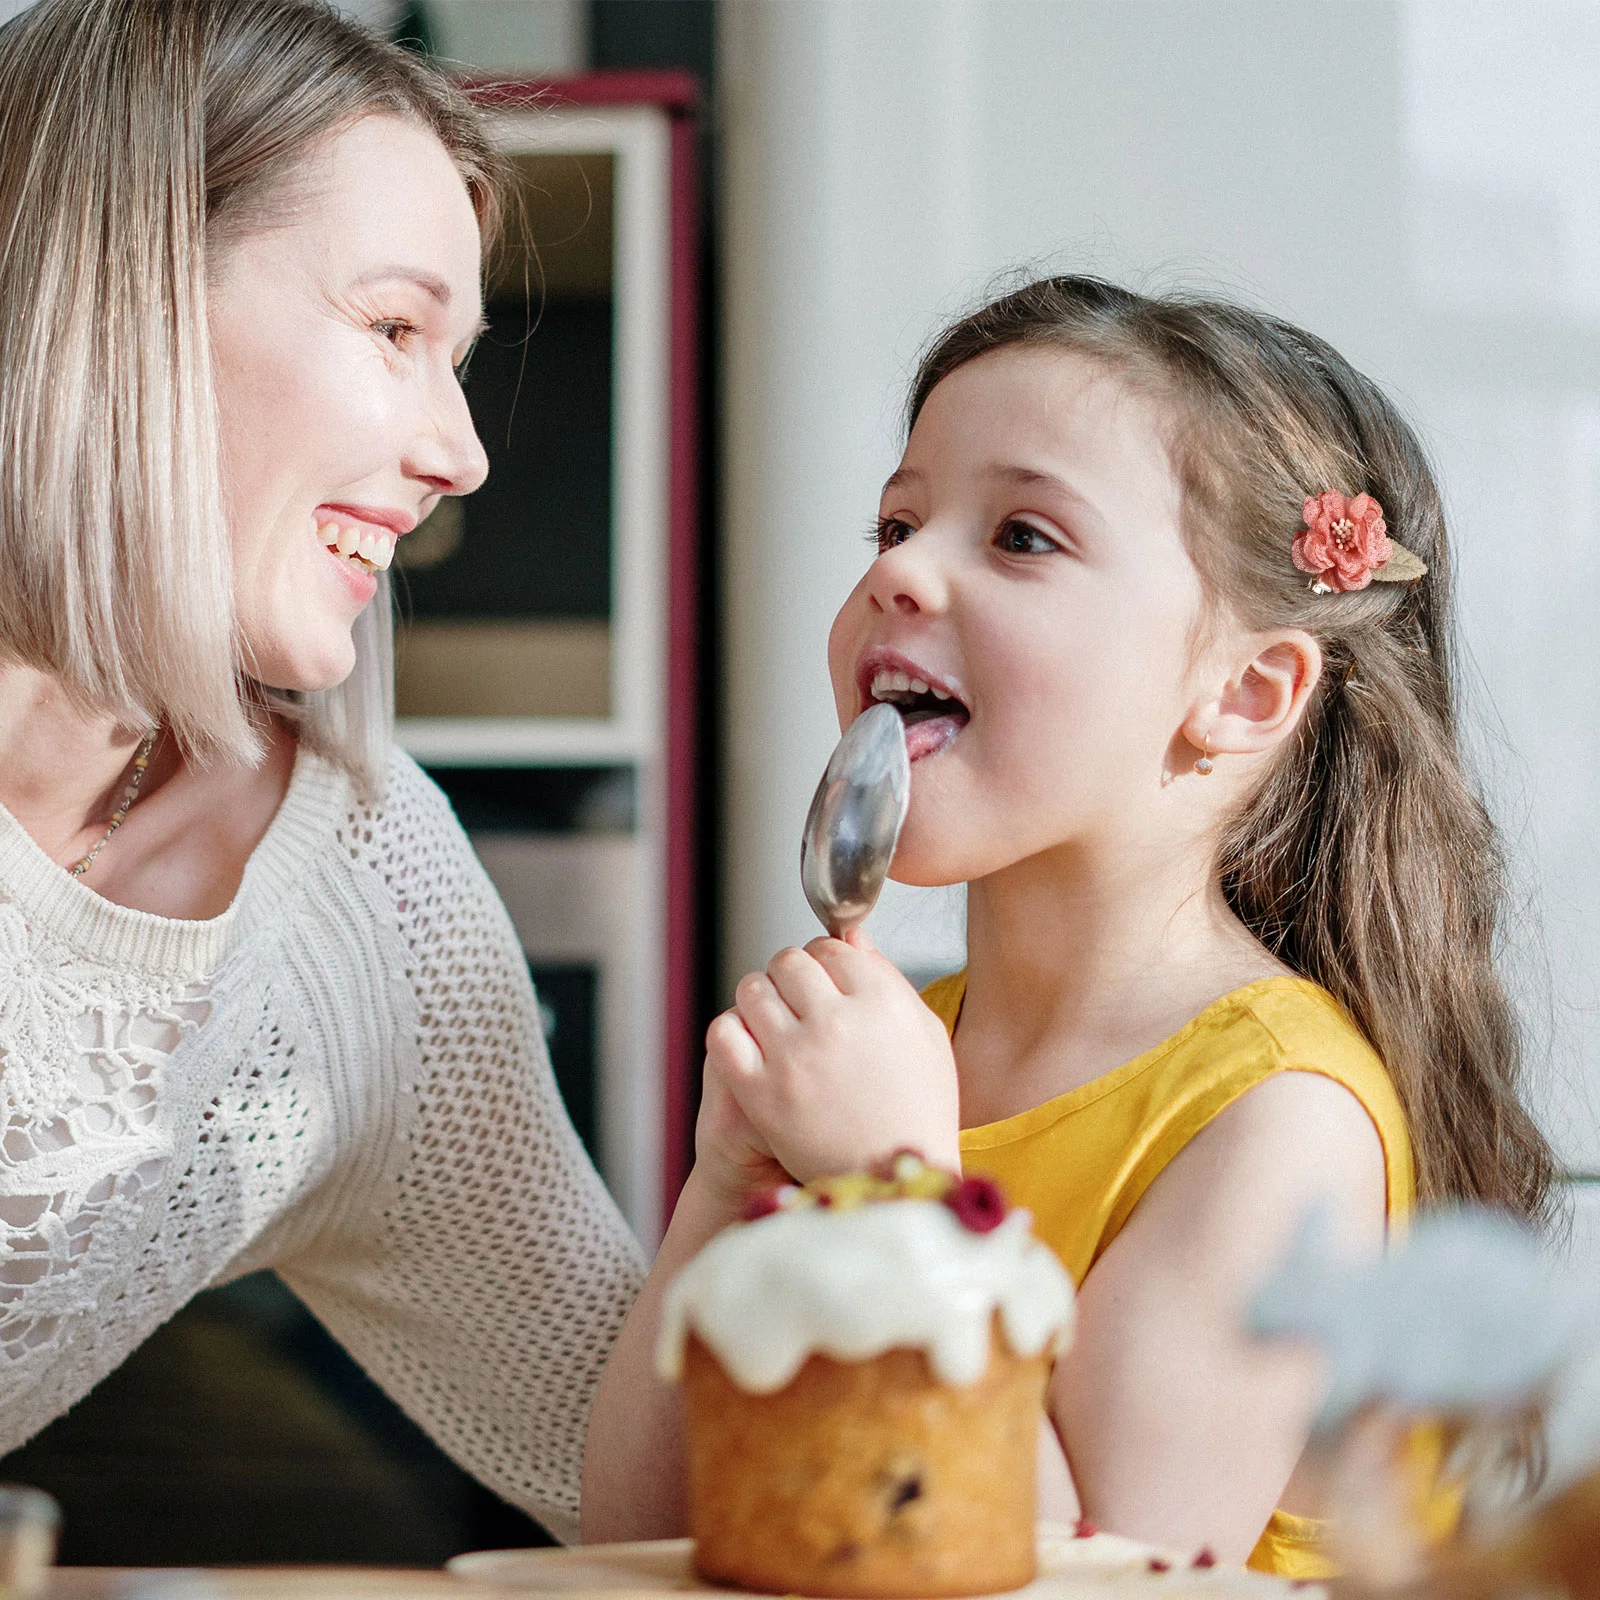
[307, 671]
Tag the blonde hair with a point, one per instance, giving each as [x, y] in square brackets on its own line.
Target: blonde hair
[1365, 861]
[138, 138]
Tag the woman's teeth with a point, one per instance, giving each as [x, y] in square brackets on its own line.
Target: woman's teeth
[367, 547]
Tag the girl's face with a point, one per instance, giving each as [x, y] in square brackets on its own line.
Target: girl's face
[335, 338]
[1031, 569]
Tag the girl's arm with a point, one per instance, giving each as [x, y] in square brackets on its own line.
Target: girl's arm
[633, 1465]
[1175, 1425]
[783, 1094]
[1179, 1427]
[634, 1469]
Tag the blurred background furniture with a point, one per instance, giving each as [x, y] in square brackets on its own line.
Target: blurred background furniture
[546, 657]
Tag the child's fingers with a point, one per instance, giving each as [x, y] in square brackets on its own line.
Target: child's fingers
[730, 1048]
[804, 985]
[765, 1012]
[852, 970]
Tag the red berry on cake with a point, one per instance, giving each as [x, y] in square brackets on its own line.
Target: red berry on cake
[761, 1203]
[978, 1203]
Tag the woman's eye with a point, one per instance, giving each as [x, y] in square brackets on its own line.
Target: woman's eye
[891, 531]
[395, 329]
[1022, 539]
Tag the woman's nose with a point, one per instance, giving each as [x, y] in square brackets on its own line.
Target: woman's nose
[447, 452]
[909, 577]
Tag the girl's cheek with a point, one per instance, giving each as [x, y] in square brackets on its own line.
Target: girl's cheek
[842, 650]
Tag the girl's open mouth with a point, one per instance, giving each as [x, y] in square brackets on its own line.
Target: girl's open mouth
[933, 714]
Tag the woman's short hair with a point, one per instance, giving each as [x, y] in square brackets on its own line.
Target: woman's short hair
[137, 139]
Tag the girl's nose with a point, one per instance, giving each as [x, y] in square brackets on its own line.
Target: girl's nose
[447, 453]
[909, 577]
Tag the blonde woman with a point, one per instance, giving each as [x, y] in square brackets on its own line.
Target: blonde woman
[259, 1006]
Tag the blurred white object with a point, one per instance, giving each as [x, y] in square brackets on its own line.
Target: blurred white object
[1467, 1314]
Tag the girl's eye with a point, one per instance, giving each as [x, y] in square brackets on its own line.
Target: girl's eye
[891, 531]
[1022, 539]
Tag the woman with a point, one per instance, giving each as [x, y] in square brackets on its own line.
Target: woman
[259, 1006]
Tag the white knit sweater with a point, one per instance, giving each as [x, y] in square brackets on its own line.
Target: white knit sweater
[343, 1078]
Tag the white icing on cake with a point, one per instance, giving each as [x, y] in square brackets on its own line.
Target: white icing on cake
[852, 1284]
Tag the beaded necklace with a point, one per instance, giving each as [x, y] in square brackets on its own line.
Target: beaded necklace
[141, 760]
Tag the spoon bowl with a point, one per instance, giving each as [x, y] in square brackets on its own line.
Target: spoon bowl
[855, 819]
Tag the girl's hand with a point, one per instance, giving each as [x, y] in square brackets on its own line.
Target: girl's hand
[730, 1157]
[835, 1061]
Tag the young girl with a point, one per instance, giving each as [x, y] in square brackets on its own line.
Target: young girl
[1183, 719]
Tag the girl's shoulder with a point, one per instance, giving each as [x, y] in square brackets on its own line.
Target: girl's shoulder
[1304, 1027]
[1083, 1161]
[1275, 1024]
[1290, 1028]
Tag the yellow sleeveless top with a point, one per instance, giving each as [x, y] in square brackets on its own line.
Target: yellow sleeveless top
[1081, 1162]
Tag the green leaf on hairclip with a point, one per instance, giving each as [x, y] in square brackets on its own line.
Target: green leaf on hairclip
[1401, 567]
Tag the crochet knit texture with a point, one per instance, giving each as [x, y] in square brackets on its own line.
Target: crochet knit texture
[343, 1078]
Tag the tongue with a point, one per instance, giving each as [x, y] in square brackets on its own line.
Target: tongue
[928, 735]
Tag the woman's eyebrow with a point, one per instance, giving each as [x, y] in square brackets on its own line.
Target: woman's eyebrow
[430, 284]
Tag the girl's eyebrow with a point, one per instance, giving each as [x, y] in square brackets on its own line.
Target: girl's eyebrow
[1029, 477]
[1009, 473]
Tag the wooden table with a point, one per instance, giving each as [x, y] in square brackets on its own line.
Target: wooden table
[652, 1570]
[275, 1583]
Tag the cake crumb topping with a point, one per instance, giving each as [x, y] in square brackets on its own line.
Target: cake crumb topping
[977, 1202]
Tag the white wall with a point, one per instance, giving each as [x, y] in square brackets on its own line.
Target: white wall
[1418, 180]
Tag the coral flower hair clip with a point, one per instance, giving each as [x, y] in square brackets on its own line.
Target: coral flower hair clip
[1346, 545]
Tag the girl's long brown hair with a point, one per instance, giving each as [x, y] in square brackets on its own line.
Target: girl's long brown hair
[1365, 862]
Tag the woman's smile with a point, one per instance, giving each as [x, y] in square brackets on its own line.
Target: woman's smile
[361, 537]
[350, 324]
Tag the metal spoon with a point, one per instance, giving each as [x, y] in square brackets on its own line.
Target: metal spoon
[855, 818]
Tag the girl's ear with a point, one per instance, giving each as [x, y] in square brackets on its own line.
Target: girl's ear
[1261, 703]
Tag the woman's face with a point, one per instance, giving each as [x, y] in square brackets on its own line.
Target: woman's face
[336, 333]
[1031, 570]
